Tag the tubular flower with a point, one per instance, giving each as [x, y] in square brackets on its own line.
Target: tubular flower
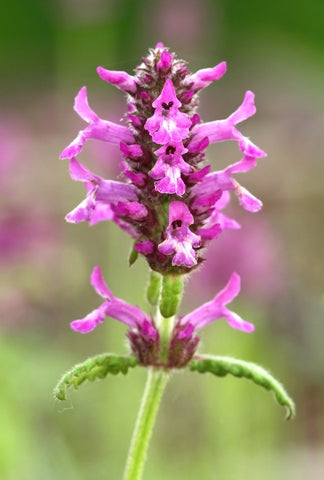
[143, 335]
[169, 199]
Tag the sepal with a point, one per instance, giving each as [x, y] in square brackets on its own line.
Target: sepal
[172, 286]
[154, 288]
[91, 369]
[133, 256]
[221, 366]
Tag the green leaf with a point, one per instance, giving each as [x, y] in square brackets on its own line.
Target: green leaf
[171, 294]
[221, 366]
[133, 256]
[91, 369]
[154, 288]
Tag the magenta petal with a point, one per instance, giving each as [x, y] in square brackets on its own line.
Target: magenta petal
[210, 233]
[230, 291]
[88, 323]
[81, 106]
[168, 94]
[215, 309]
[186, 332]
[79, 172]
[199, 146]
[247, 200]
[167, 124]
[165, 61]
[131, 151]
[246, 110]
[149, 331]
[98, 129]
[198, 175]
[172, 184]
[201, 202]
[120, 79]
[135, 210]
[204, 77]
[138, 179]
[249, 149]
[131, 315]
[146, 247]
[235, 321]
[81, 213]
[180, 211]
[101, 213]
[98, 283]
[185, 257]
[75, 147]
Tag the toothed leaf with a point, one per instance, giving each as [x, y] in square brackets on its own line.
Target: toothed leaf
[221, 366]
[91, 369]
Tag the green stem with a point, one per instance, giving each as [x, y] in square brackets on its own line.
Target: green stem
[165, 329]
[155, 385]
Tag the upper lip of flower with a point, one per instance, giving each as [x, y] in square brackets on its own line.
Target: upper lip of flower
[216, 308]
[112, 306]
[97, 128]
[135, 318]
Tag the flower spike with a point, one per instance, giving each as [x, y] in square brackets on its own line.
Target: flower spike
[163, 144]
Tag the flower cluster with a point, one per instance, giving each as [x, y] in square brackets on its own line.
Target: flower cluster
[170, 202]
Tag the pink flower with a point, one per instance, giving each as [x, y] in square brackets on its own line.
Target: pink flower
[180, 240]
[105, 200]
[221, 130]
[98, 128]
[222, 180]
[114, 307]
[143, 335]
[204, 77]
[122, 80]
[169, 167]
[216, 308]
[167, 124]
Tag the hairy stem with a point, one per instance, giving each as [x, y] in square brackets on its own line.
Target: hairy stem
[155, 385]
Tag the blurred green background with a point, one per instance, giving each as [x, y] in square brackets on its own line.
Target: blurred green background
[207, 428]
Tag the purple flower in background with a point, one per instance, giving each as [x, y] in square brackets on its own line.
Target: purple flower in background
[255, 251]
[163, 142]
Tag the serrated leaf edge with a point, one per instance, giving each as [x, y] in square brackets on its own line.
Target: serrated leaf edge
[97, 367]
[221, 366]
